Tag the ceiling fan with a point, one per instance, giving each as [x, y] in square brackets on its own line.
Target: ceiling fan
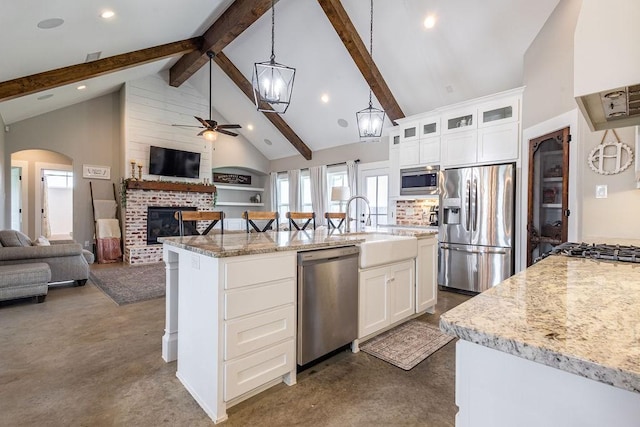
[210, 126]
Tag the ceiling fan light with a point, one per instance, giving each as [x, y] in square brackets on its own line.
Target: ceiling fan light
[272, 86]
[210, 135]
[370, 121]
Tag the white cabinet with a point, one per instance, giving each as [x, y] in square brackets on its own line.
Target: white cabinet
[498, 143]
[409, 132]
[426, 275]
[394, 164]
[409, 153]
[386, 296]
[459, 121]
[498, 112]
[430, 150]
[459, 149]
[429, 127]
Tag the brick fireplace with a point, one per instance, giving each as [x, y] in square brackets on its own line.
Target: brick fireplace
[140, 195]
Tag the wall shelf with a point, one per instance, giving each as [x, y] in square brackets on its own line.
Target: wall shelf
[238, 204]
[237, 187]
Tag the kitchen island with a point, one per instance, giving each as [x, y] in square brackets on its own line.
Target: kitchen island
[555, 345]
[231, 309]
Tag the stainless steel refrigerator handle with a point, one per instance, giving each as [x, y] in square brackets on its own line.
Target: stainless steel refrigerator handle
[475, 205]
[486, 251]
[468, 205]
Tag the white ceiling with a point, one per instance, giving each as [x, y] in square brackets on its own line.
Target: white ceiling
[476, 48]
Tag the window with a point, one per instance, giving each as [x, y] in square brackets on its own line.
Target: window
[336, 177]
[377, 191]
[58, 178]
[282, 184]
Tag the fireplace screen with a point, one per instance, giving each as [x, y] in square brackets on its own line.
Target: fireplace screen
[161, 223]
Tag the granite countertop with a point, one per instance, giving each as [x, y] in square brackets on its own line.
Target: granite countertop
[242, 243]
[578, 315]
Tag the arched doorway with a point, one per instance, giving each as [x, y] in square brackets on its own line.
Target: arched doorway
[46, 207]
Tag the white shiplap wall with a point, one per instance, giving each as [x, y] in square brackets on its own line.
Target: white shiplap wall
[151, 106]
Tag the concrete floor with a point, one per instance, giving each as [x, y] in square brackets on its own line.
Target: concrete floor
[80, 360]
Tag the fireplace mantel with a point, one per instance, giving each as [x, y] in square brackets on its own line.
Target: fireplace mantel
[170, 186]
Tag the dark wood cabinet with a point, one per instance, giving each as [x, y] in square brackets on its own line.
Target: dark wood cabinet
[548, 206]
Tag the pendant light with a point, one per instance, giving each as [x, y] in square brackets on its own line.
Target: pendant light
[272, 82]
[370, 120]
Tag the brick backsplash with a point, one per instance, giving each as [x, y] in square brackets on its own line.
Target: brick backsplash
[136, 250]
[414, 212]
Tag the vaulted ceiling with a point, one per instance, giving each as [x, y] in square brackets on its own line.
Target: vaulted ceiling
[476, 48]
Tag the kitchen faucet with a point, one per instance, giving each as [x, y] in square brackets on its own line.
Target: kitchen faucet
[347, 227]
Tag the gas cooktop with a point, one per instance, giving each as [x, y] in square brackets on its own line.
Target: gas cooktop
[599, 251]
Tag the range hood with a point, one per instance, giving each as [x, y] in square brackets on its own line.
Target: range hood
[607, 63]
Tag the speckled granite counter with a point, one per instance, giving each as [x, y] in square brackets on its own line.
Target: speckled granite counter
[578, 315]
[241, 243]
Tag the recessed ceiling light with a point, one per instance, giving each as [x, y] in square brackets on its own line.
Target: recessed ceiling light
[449, 88]
[48, 24]
[43, 97]
[93, 56]
[82, 87]
[430, 21]
[268, 142]
[324, 98]
[107, 14]
[250, 126]
[343, 123]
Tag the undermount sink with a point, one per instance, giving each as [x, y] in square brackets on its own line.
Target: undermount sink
[380, 249]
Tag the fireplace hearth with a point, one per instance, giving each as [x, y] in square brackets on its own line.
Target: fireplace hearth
[161, 222]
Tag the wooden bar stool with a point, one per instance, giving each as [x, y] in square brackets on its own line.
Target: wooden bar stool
[336, 216]
[251, 216]
[214, 217]
[293, 216]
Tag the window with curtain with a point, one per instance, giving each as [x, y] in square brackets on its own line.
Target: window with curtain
[305, 190]
[336, 177]
[282, 185]
[377, 191]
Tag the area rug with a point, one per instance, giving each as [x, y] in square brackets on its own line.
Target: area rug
[126, 284]
[407, 345]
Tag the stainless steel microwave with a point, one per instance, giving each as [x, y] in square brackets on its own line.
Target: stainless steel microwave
[419, 181]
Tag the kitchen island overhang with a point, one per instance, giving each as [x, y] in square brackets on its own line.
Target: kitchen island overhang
[557, 344]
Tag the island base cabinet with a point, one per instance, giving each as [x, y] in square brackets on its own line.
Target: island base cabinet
[426, 275]
[386, 295]
[496, 389]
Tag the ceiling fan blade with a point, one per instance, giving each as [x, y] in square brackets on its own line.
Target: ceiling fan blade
[229, 127]
[203, 121]
[188, 126]
[226, 132]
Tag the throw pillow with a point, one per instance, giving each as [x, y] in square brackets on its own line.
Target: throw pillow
[41, 241]
[11, 238]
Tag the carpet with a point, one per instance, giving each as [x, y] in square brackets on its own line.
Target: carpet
[126, 284]
[406, 345]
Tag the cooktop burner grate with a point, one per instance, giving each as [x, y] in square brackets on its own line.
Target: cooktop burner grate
[599, 251]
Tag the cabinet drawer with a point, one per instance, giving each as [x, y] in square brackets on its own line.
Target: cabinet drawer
[252, 333]
[259, 269]
[245, 374]
[241, 302]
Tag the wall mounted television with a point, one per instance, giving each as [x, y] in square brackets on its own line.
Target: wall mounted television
[176, 163]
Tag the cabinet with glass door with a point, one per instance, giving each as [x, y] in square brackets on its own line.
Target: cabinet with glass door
[548, 213]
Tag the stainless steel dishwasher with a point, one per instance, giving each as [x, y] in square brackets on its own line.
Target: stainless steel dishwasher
[327, 301]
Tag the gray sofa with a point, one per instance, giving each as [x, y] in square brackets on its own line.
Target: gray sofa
[67, 261]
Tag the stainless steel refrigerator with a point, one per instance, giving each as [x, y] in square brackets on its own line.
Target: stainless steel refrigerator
[477, 224]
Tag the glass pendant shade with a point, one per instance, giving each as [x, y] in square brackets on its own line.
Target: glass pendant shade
[210, 135]
[272, 86]
[370, 121]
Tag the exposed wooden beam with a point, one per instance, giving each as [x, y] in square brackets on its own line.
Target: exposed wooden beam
[358, 51]
[237, 18]
[62, 76]
[245, 86]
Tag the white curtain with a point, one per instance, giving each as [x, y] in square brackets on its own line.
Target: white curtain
[352, 176]
[319, 193]
[273, 189]
[46, 224]
[294, 190]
